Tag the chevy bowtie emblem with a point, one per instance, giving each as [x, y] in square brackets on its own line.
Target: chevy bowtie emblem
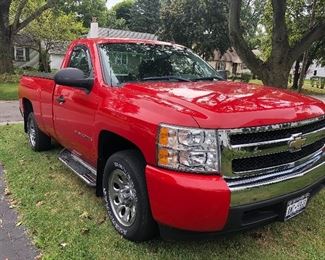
[296, 143]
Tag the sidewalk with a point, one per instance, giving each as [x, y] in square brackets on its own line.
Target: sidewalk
[9, 112]
[321, 97]
[14, 243]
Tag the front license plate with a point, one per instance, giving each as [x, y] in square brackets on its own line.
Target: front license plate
[296, 206]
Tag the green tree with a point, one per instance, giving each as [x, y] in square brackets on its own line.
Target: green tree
[197, 24]
[119, 16]
[145, 16]
[14, 18]
[287, 36]
[251, 16]
[52, 29]
[86, 10]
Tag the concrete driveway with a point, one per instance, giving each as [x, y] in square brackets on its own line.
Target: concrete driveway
[9, 112]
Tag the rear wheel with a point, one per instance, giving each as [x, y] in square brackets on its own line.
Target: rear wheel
[126, 196]
[38, 140]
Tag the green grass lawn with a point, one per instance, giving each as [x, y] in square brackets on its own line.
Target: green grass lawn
[8, 91]
[307, 88]
[67, 221]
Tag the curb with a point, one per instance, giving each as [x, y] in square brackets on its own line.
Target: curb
[11, 123]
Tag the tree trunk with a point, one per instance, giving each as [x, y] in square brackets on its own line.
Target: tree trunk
[276, 76]
[303, 71]
[275, 70]
[296, 74]
[44, 65]
[6, 63]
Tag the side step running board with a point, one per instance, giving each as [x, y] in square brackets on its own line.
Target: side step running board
[84, 171]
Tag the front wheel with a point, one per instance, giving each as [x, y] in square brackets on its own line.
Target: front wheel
[38, 140]
[126, 196]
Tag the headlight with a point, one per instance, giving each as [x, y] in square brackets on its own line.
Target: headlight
[187, 149]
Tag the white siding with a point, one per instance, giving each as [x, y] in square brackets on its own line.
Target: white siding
[320, 71]
[56, 61]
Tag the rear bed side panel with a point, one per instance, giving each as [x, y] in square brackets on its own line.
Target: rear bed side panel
[47, 89]
[39, 92]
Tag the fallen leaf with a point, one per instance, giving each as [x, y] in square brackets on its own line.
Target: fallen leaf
[7, 192]
[101, 221]
[85, 214]
[39, 203]
[84, 231]
[63, 245]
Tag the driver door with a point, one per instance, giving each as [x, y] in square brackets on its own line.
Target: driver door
[74, 110]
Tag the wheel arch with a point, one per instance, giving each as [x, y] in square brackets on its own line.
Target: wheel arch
[27, 109]
[108, 144]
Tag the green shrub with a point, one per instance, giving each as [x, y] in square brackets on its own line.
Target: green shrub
[9, 78]
[246, 77]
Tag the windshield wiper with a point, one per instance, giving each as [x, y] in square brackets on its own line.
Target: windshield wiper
[209, 78]
[166, 78]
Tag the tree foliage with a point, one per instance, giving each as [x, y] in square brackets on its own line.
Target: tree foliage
[119, 16]
[86, 10]
[13, 18]
[198, 24]
[145, 16]
[50, 30]
[251, 16]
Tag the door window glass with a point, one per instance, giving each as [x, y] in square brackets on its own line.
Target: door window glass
[80, 59]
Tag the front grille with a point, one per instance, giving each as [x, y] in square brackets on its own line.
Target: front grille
[253, 163]
[253, 154]
[270, 133]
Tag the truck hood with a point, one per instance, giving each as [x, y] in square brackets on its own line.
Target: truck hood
[229, 105]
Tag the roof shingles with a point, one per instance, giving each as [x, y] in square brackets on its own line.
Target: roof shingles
[114, 33]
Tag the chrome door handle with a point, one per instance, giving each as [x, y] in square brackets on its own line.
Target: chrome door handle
[60, 99]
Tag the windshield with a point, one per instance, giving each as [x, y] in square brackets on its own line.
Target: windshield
[125, 62]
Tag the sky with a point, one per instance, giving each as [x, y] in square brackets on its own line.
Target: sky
[110, 3]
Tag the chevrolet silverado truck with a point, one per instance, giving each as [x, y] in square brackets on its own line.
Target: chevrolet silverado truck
[171, 146]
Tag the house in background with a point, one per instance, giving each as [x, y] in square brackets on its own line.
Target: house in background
[25, 54]
[57, 54]
[100, 32]
[231, 62]
[315, 70]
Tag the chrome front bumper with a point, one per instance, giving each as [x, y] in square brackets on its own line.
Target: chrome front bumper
[261, 190]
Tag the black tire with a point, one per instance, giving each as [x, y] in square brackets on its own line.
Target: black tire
[128, 164]
[38, 140]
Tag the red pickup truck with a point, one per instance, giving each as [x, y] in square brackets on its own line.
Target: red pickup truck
[170, 145]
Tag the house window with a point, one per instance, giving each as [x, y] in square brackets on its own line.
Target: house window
[20, 54]
[121, 59]
[221, 65]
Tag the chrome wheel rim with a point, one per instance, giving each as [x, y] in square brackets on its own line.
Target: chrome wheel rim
[122, 197]
[32, 132]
